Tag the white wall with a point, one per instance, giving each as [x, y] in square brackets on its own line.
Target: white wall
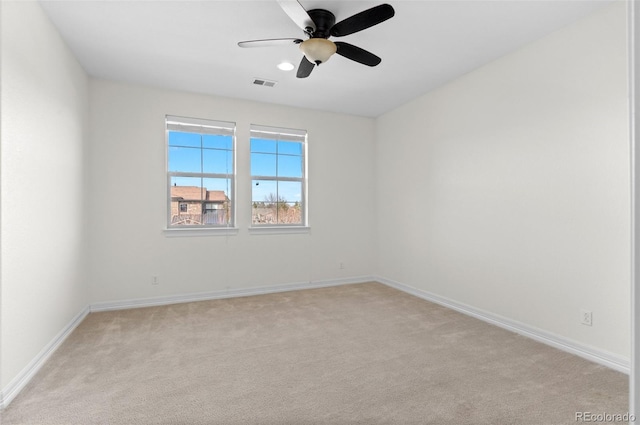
[128, 199]
[508, 189]
[44, 102]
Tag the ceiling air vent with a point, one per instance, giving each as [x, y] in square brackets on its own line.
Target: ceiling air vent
[263, 82]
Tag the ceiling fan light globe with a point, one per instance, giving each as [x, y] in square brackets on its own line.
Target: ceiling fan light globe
[318, 50]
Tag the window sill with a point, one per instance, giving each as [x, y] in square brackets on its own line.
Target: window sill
[279, 230]
[200, 231]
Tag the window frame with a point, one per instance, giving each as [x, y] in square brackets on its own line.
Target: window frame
[211, 127]
[289, 135]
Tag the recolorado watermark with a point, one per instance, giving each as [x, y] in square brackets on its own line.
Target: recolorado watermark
[605, 417]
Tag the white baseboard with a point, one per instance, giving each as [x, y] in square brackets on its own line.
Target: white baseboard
[593, 354]
[22, 379]
[231, 293]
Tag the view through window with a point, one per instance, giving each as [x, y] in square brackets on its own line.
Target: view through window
[278, 176]
[200, 175]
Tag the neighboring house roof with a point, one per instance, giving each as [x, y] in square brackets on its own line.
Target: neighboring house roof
[192, 193]
[216, 196]
[186, 193]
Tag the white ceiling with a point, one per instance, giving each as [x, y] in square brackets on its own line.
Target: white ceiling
[192, 46]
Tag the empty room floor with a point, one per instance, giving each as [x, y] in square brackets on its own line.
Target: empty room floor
[353, 354]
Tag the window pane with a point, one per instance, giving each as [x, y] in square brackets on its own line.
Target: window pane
[217, 161]
[263, 164]
[177, 138]
[186, 201]
[217, 141]
[292, 148]
[185, 159]
[263, 145]
[289, 202]
[289, 166]
[263, 201]
[216, 209]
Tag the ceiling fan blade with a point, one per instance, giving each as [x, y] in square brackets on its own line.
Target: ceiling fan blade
[363, 20]
[270, 42]
[357, 54]
[298, 14]
[305, 68]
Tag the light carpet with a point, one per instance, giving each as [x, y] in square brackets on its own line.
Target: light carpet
[353, 354]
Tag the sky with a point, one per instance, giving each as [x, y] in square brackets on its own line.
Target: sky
[196, 153]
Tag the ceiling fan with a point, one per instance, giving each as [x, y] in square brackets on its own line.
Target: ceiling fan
[320, 24]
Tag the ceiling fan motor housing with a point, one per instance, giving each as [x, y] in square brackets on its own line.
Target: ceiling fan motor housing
[324, 20]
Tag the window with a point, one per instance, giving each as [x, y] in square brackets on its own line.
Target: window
[278, 176]
[200, 172]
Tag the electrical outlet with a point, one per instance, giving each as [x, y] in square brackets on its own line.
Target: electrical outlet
[586, 317]
[155, 280]
[341, 266]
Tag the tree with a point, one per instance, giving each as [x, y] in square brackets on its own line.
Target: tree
[272, 200]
